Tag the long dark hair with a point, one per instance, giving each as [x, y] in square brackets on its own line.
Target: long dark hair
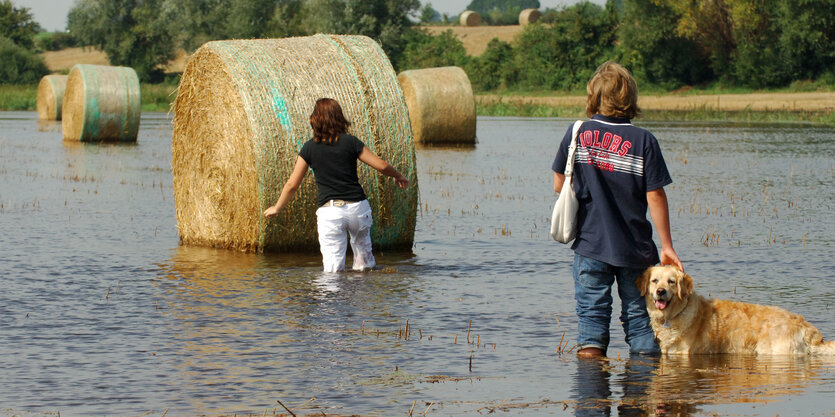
[327, 121]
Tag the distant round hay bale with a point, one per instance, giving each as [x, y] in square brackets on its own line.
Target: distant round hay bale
[441, 104]
[51, 96]
[469, 18]
[242, 115]
[529, 16]
[101, 103]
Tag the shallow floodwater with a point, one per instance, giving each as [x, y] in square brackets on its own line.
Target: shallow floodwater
[103, 313]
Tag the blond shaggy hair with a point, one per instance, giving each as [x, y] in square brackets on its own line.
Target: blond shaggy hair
[612, 92]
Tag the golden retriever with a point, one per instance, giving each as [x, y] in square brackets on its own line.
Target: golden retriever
[687, 323]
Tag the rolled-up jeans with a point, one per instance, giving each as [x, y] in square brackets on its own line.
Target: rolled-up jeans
[593, 282]
[335, 224]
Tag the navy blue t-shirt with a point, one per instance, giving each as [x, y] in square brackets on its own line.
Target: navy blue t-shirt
[615, 165]
[335, 168]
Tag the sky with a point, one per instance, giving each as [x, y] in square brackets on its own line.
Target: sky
[52, 14]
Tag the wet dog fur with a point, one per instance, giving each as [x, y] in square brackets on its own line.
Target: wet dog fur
[687, 323]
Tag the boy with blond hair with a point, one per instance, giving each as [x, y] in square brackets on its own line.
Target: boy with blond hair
[619, 173]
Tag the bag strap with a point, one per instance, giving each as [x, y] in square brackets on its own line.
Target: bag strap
[572, 149]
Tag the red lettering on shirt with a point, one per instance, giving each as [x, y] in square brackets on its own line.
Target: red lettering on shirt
[616, 140]
[586, 138]
[597, 139]
[607, 139]
[624, 148]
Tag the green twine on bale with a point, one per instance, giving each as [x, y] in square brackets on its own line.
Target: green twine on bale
[101, 103]
[240, 118]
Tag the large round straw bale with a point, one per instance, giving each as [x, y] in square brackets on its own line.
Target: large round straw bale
[242, 115]
[469, 18]
[51, 96]
[101, 103]
[529, 16]
[441, 104]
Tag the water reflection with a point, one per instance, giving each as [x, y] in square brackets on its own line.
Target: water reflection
[679, 385]
[239, 325]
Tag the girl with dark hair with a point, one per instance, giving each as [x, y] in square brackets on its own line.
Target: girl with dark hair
[343, 208]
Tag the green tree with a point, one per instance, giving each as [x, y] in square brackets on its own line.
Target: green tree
[429, 14]
[135, 33]
[19, 65]
[807, 37]
[565, 55]
[650, 46]
[423, 50]
[386, 21]
[493, 68]
[16, 24]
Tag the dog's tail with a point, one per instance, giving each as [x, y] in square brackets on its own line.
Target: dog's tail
[823, 348]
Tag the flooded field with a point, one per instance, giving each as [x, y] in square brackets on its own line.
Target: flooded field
[103, 313]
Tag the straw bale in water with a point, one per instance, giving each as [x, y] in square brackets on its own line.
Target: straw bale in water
[242, 115]
[51, 96]
[469, 18]
[441, 104]
[101, 103]
[529, 16]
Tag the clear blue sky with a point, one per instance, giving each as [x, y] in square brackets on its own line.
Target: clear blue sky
[52, 14]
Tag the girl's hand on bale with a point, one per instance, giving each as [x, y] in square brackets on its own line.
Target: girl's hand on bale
[271, 212]
[402, 181]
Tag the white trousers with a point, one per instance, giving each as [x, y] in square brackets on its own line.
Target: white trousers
[334, 225]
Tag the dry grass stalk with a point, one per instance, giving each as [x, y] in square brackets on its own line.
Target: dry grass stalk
[441, 104]
[101, 103]
[51, 96]
[529, 16]
[469, 18]
[240, 118]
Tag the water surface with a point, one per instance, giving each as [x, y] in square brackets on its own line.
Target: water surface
[103, 313]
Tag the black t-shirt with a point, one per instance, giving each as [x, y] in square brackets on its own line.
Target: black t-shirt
[615, 165]
[335, 168]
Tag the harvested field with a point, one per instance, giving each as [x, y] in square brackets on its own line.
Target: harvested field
[475, 38]
[814, 101]
[64, 59]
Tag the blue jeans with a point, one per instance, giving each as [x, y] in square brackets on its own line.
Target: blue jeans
[593, 282]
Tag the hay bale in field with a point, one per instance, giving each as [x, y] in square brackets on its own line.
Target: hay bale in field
[529, 16]
[242, 115]
[469, 18]
[51, 96]
[101, 103]
[441, 104]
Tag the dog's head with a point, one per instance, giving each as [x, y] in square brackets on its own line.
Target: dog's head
[664, 288]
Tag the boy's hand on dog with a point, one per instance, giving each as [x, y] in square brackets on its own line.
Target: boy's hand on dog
[669, 257]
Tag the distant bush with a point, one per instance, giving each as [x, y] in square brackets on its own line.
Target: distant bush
[422, 50]
[19, 65]
[494, 68]
[53, 41]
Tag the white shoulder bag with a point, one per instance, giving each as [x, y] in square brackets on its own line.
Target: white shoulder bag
[564, 218]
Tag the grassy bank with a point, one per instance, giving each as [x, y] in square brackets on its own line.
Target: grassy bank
[158, 97]
[698, 114]
[155, 97]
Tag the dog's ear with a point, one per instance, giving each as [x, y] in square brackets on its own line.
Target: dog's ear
[643, 281]
[685, 285]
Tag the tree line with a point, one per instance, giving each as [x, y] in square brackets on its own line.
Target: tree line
[666, 43]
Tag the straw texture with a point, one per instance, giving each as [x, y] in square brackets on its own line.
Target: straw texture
[51, 96]
[529, 16]
[441, 105]
[101, 103]
[242, 115]
[469, 18]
